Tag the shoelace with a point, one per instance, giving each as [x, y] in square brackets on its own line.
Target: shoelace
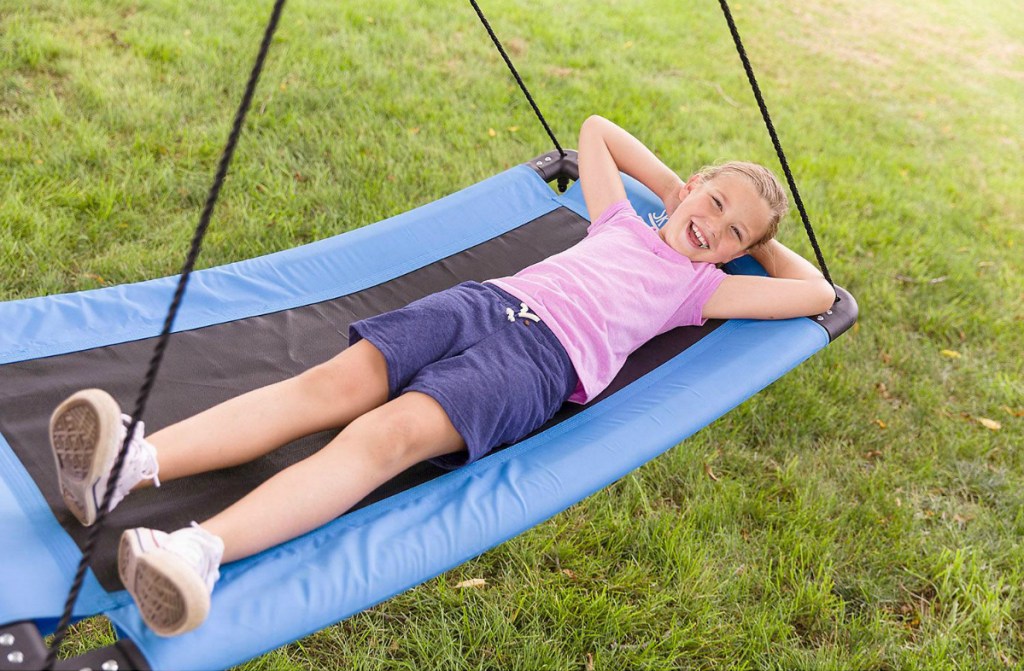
[201, 549]
[143, 466]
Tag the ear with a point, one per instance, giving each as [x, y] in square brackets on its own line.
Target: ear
[748, 251]
[689, 186]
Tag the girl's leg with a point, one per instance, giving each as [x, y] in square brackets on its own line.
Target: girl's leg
[171, 576]
[243, 428]
[85, 428]
[373, 448]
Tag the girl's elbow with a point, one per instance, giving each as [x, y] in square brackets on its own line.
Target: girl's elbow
[590, 127]
[596, 125]
[824, 296]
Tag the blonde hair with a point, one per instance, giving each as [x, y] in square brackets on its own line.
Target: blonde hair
[764, 182]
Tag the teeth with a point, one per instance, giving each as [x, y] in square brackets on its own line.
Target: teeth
[700, 238]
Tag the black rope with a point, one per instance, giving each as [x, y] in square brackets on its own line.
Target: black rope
[522, 85]
[775, 140]
[161, 345]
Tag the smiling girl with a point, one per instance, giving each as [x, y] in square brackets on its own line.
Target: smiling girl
[717, 215]
[448, 377]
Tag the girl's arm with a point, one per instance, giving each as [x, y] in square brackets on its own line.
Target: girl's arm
[604, 150]
[795, 289]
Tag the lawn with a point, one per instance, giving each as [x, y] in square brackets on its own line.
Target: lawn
[864, 512]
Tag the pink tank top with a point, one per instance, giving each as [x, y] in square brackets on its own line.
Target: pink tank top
[611, 292]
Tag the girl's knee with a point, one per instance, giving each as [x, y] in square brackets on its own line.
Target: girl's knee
[410, 429]
[385, 436]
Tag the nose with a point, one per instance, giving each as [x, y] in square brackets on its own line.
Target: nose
[719, 224]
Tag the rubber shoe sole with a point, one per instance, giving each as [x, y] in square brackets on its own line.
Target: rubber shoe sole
[84, 434]
[170, 595]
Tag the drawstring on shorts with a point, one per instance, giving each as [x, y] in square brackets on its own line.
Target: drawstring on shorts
[524, 312]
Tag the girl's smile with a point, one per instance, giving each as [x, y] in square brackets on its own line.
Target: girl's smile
[696, 237]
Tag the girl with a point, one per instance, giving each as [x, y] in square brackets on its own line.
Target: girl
[448, 377]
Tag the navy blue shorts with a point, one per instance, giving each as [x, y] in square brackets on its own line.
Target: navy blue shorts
[497, 378]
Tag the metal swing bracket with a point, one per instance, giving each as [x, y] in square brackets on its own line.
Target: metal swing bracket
[553, 165]
[22, 648]
[840, 317]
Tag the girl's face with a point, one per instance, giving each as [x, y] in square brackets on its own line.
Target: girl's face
[718, 220]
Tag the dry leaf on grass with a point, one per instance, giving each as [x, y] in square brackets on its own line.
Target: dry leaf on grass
[472, 582]
[709, 472]
[989, 423]
[948, 353]
[94, 277]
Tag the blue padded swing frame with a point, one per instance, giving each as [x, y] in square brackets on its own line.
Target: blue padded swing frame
[367, 556]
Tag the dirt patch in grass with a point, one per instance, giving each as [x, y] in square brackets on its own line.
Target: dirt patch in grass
[880, 35]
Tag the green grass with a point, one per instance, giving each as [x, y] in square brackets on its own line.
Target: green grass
[862, 516]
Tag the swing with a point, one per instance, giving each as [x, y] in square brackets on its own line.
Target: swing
[263, 319]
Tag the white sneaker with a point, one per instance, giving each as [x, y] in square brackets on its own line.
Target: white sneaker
[86, 433]
[170, 576]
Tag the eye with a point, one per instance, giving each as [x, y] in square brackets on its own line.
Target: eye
[718, 202]
[737, 233]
